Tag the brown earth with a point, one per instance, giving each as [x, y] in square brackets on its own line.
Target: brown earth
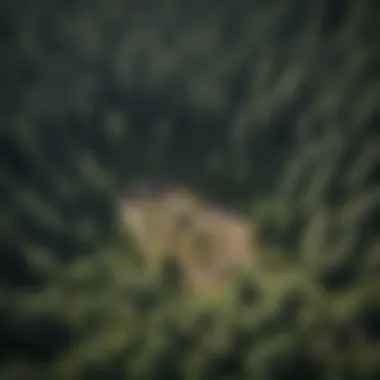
[209, 241]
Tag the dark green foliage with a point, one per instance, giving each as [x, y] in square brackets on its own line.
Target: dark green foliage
[145, 299]
[172, 278]
[270, 107]
[248, 292]
[39, 339]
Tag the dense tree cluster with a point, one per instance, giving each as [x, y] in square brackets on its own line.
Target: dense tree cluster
[269, 107]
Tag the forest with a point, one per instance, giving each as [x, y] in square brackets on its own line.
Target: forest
[267, 108]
